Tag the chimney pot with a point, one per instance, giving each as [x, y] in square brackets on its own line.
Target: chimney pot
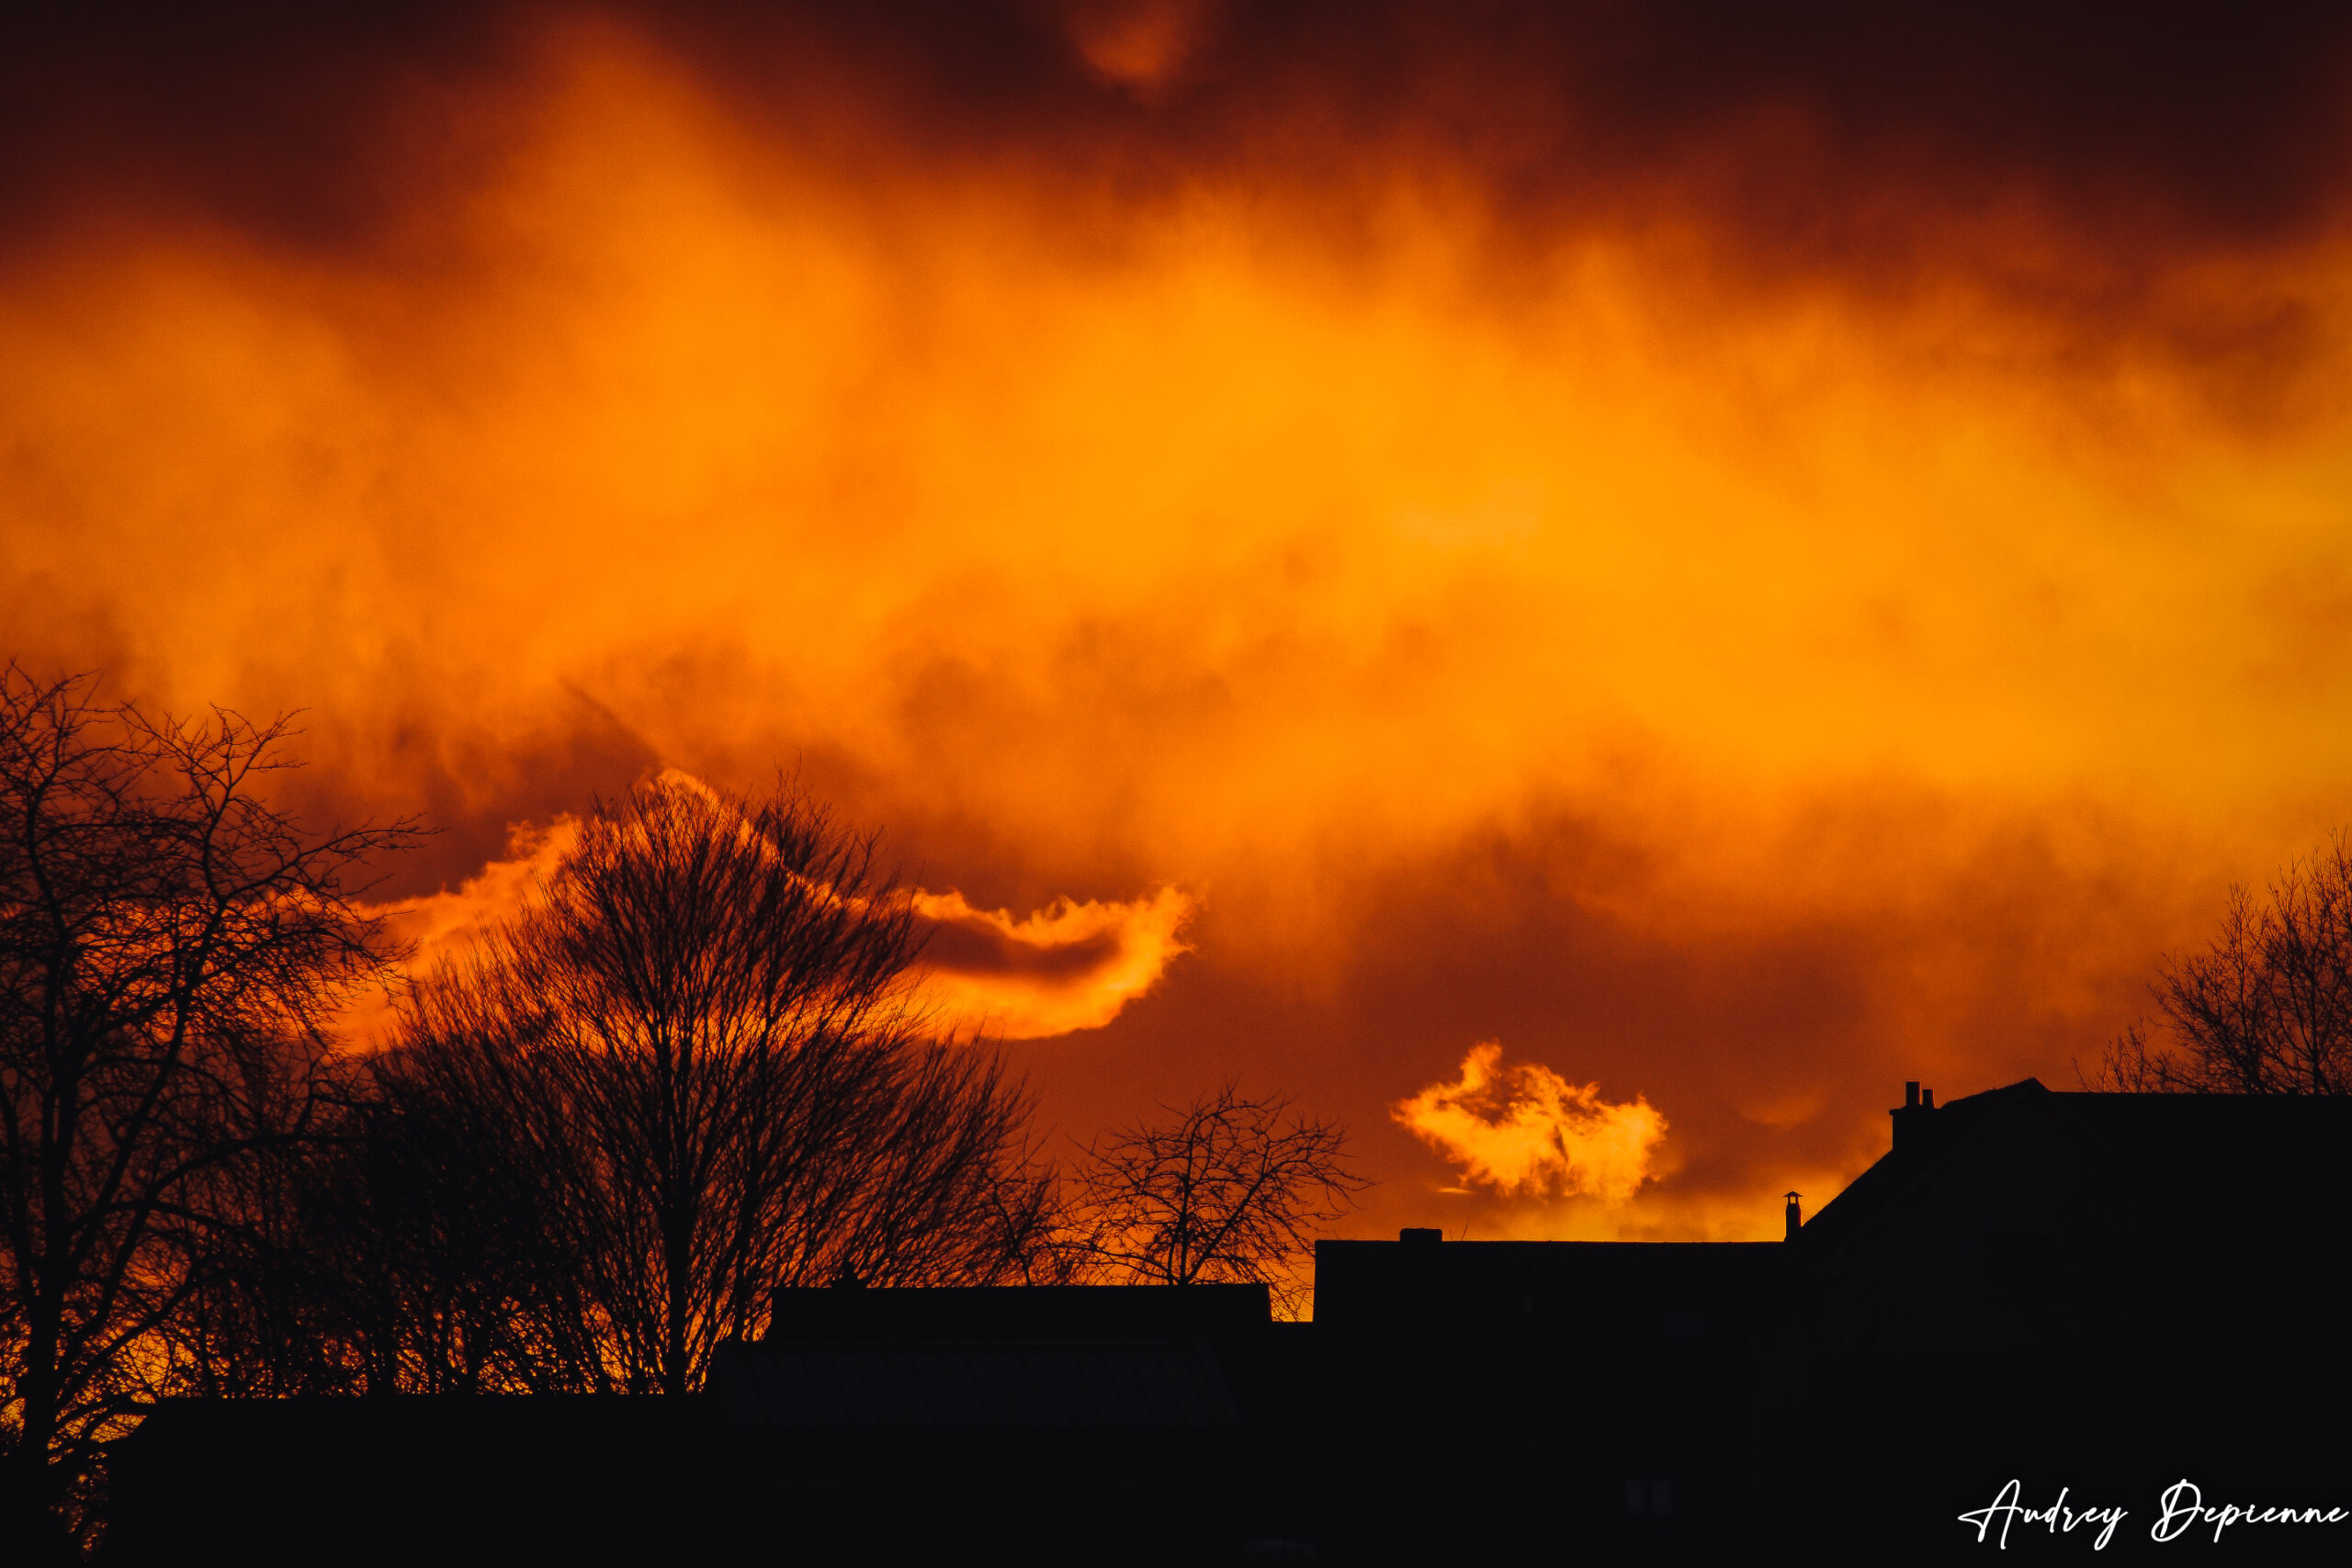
[1926, 1100]
[1796, 1218]
[1911, 1094]
[1420, 1235]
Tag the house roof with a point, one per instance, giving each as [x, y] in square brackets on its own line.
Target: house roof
[1903, 1170]
[2240, 1160]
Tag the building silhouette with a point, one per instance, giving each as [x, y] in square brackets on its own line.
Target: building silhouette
[2102, 1292]
[1069, 1424]
[2107, 1292]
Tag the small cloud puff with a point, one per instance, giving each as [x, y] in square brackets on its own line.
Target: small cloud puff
[1525, 1130]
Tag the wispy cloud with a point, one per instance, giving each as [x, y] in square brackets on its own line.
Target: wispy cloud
[1066, 967]
[1069, 966]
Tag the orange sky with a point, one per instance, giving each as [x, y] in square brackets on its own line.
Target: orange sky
[1736, 570]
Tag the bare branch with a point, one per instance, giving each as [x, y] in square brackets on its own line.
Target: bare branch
[1231, 1189]
[2267, 1008]
[169, 944]
[691, 1074]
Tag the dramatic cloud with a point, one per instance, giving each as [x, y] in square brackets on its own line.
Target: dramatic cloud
[2069, 161]
[1525, 1130]
[1067, 967]
[1774, 553]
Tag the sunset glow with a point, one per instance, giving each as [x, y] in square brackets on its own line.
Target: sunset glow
[1302, 592]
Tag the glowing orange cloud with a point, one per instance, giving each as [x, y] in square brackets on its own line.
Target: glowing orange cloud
[1071, 966]
[1516, 606]
[437, 926]
[1066, 967]
[1527, 1131]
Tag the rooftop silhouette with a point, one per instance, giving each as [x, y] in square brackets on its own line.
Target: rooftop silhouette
[2034, 1284]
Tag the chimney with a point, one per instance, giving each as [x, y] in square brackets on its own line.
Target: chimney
[1796, 1219]
[1418, 1237]
[1910, 1124]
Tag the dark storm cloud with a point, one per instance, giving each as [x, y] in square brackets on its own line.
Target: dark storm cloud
[299, 123]
[1818, 135]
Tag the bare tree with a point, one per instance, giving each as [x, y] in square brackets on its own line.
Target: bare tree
[170, 949]
[697, 1066]
[414, 1254]
[2267, 1008]
[1229, 1188]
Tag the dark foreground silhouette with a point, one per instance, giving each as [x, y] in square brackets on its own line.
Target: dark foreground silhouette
[2093, 1296]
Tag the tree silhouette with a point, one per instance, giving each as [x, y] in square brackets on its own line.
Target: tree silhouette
[418, 1255]
[2267, 1008]
[171, 949]
[1230, 1188]
[690, 1074]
